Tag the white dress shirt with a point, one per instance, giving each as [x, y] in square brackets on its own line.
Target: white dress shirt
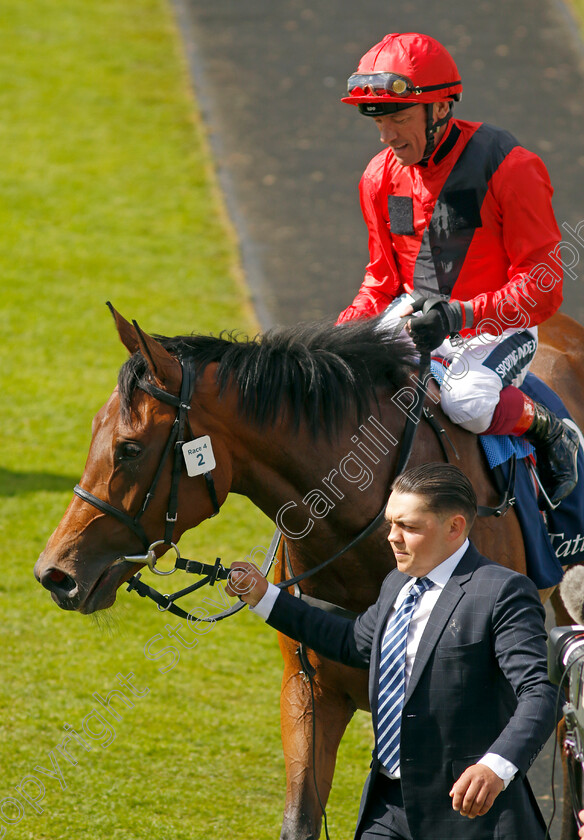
[439, 576]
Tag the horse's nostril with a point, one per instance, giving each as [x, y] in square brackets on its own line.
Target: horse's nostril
[55, 580]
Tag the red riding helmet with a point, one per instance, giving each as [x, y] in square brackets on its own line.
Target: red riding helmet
[405, 69]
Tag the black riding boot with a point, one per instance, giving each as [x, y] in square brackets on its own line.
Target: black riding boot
[556, 446]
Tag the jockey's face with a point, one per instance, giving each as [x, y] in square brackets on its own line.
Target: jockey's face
[421, 539]
[405, 131]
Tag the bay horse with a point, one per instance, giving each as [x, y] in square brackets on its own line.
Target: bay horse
[306, 422]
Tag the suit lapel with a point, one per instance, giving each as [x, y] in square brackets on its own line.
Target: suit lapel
[440, 615]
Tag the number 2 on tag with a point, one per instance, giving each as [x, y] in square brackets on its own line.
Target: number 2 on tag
[199, 456]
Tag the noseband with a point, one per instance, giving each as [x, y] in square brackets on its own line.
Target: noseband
[175, 441]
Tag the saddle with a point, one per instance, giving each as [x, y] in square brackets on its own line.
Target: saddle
[552, 538]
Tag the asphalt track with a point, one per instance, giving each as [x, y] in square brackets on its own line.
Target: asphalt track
[269, 75]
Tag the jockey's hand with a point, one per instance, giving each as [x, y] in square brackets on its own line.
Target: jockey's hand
[438, 320]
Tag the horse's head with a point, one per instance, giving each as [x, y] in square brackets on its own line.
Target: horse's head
[132, 474]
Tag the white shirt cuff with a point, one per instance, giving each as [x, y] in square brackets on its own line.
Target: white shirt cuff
[504, 769]
[263, 608]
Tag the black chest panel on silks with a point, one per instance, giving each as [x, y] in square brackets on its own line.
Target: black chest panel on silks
[457, 212]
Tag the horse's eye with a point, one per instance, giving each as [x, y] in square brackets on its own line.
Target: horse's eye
[128, 451]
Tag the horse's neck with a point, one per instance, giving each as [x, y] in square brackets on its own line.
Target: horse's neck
[324, 492]
[336, 483]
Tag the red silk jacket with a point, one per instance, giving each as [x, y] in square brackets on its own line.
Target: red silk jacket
[475, 224]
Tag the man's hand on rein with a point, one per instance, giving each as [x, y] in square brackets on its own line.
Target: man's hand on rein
[247, 583]
[438, 320]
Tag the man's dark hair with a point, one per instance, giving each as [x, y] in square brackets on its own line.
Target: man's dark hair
[445, 488]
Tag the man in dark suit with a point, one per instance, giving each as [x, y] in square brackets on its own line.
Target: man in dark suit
[461, 718]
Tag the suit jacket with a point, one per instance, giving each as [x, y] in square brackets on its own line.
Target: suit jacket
[479, 684]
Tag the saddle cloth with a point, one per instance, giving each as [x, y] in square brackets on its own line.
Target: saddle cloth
[553, 538]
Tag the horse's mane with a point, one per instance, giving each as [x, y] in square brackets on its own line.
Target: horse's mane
[317, 371]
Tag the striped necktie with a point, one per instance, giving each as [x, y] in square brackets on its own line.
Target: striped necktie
[392, 677]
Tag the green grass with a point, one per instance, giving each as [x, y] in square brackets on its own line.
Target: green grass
[577, 7]
[107, 192]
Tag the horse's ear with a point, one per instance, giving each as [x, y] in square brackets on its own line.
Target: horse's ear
[164, 367]
[126, 331]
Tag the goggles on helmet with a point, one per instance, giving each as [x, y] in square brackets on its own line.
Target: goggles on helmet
[394, 84]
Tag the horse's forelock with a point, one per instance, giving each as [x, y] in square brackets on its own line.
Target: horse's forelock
[130, 374]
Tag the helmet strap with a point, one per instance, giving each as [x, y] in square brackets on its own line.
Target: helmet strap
[431, 129]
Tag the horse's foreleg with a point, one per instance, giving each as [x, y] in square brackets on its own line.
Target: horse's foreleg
[308, 758]
[545, 594]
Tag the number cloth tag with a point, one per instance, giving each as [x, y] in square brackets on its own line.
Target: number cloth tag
[199, 456]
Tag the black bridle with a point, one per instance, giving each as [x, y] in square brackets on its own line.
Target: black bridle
[215, 572]
[175, 442]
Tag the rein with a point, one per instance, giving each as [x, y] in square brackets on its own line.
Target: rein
[218, 572]
[215, 572]
[212, 573]
[405, 451]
